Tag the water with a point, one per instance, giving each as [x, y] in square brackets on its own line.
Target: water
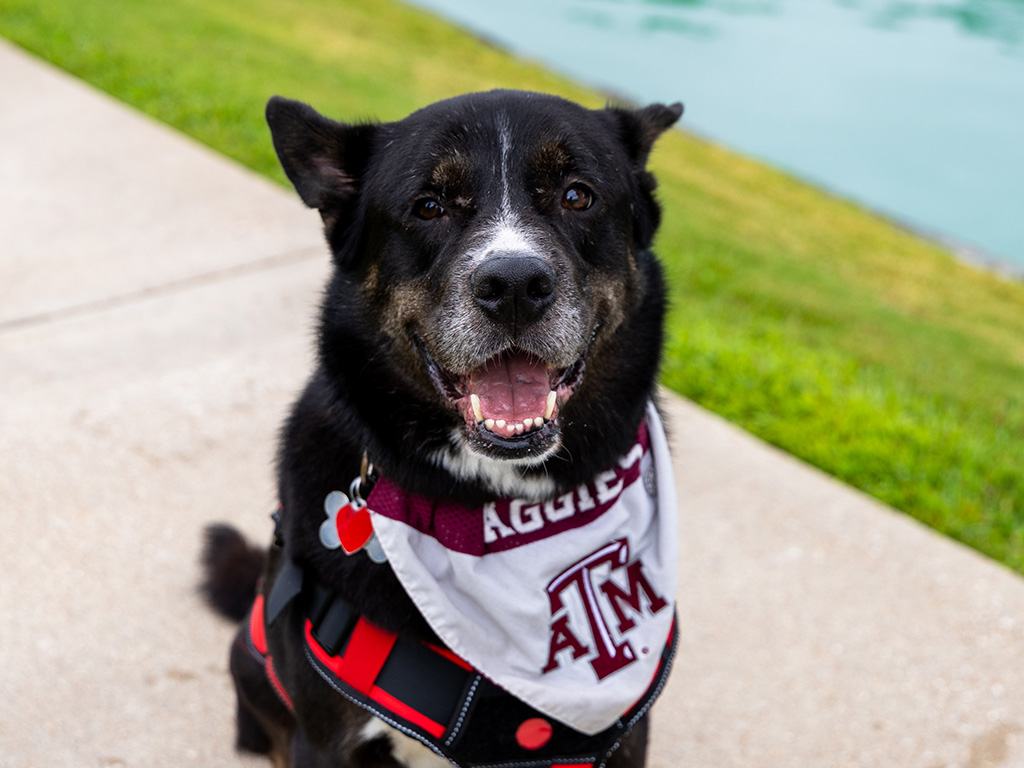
[914, 109]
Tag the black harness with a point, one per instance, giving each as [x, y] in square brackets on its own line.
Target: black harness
[426, 691]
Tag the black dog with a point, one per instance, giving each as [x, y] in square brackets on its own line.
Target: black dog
[488, 347]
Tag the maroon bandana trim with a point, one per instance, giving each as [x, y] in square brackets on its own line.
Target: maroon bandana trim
[508, 523]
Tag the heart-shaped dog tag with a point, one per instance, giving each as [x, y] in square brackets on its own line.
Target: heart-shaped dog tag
[354, 526]
[348, 526]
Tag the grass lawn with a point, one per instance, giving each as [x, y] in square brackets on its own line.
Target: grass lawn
[819, 327]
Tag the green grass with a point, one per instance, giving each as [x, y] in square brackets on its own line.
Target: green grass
[819, 327]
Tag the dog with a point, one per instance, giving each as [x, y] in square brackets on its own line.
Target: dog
[473, 559]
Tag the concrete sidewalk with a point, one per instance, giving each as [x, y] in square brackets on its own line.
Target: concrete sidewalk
[155, 321]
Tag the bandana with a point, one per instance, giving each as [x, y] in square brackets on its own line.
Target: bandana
[566, 604]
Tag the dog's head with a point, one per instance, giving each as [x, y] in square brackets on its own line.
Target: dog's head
[494, 244]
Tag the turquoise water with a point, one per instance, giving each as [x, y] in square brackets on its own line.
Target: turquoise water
[914, 109]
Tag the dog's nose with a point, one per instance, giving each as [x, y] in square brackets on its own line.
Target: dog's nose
[513, 287]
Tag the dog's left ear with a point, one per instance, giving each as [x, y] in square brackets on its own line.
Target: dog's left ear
[324, 159]
[638, 130]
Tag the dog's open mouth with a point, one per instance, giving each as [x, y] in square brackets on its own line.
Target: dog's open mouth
[510, 403]
[516, 393]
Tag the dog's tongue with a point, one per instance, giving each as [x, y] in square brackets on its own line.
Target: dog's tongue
[513, 387]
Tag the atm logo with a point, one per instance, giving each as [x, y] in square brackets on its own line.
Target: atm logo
[611, 607]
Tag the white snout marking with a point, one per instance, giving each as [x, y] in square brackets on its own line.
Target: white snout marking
[506, 235]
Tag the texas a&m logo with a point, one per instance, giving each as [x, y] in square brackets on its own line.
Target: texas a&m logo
[582, 585]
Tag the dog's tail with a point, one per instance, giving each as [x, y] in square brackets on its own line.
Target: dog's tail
[232, 570]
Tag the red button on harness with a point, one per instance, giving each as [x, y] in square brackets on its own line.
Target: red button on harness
[534, 733]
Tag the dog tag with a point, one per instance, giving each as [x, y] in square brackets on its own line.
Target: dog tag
[354, 526]
[348, 526]
[335, 501]
[375, 551]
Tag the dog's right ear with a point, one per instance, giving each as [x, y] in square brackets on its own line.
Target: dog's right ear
[324, 159]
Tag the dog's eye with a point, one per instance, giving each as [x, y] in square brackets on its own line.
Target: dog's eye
[577, 198]
[427, 209]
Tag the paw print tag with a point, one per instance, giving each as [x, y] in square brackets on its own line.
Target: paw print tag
[349, 527]
[329, 528]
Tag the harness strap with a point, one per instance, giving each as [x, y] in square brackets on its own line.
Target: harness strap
[257, 643]
[418, 682]
[421, 683]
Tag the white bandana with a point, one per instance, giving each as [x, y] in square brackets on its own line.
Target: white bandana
[566, 604]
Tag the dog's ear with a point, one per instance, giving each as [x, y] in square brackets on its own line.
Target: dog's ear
[325, 160]
[637, 131]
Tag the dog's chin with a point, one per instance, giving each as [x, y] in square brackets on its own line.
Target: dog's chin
[510, 405]
[526, 449]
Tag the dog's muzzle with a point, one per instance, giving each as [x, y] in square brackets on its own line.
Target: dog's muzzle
[529, 356]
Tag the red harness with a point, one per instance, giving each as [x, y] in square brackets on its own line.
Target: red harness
[427, 692]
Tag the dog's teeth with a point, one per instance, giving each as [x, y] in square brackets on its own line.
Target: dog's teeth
[474, 401]
[500, 423]
[538, 422]
[489, 425]
[520, 428]
[511, 428]
[551, 405]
